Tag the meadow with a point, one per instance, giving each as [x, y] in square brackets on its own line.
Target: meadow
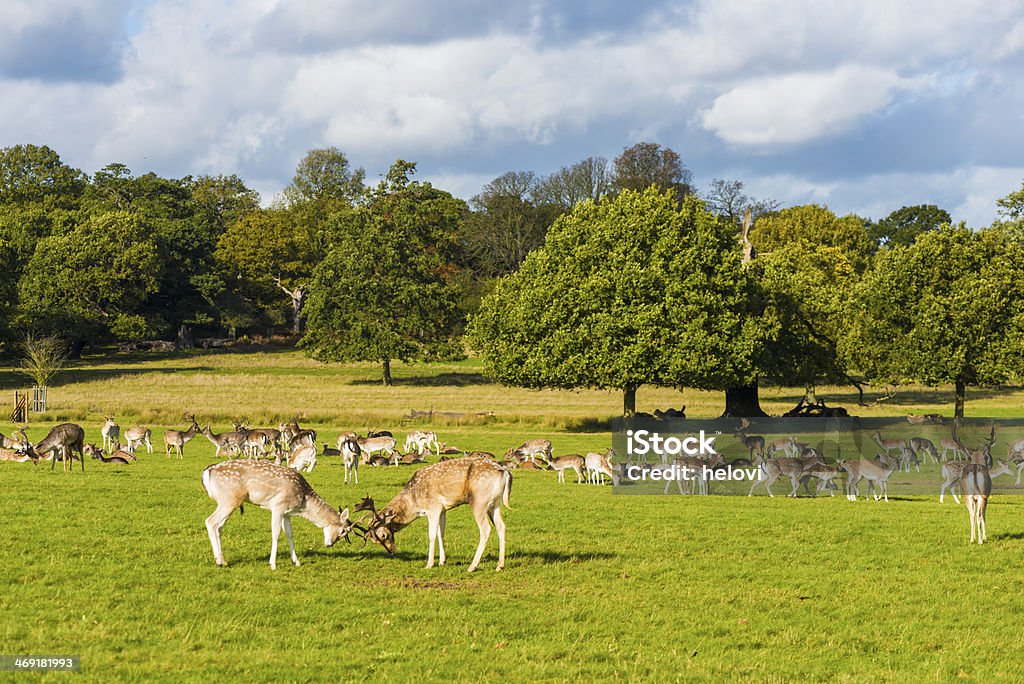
[115, 565]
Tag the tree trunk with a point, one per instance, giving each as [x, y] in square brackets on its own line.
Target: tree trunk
[629, 400]
[961, 397]
[743, 402]
[298, 299]
[75, 349]
[184, 340]
[387, 372]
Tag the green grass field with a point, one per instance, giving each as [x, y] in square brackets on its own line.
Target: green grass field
[116, 566]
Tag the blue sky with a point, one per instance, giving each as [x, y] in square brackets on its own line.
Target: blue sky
[864, 106]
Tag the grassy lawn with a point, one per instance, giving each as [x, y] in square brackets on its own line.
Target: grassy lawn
[115, 566]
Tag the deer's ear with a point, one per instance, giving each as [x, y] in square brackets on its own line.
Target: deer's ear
[344, 514]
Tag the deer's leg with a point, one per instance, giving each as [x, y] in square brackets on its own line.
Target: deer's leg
[287, 522]
[579, 475]
[276, 521]
[981, 518]
[432, 524]
[499, 526]
[442, 519]
[213, 526]
[481, 515]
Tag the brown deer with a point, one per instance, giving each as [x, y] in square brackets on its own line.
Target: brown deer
[137, 436]
[754, 444]
[573, 462]
[433, 491]
[283, 491]
[59, 442]
[177, 439]
[531, 450]
[982, 455]
[976, 486]
[97, 453]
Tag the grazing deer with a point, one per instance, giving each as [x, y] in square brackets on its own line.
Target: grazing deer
[954, 471]
[573, 462]
[920, 444]
[231, 441]
[754, 444]
[976, 486]
[424, 442]
[889, 445]
[876, 472]
[58, 444]
[139, 435]
[302, 458]
[433, 491]
[948, 444]
[177, 439]
[280, 490]
[1014, 449]
[348, 445]
[772, 468]
[599, 465]
[110, 431]
[533, 449]
[368, 446]
[694, 467]
[95, 452]
[825, 475]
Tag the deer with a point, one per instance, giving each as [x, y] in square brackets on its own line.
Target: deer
[826, 476]
[16, 456]
[283, 491]
[255, 443]
[694, 468]
[368, 446]
[981, 456]
[1014, 449]
[118, 452]
[954, 471]
[329, 452]
[573, 462]
[599, 465]
[60, 441]
[424, 442]
[888, 445]
[532, 449]
[948, 444]
[288, 431]
[434, 490]
[976, 486]
[920, 444]
[139, 435]
[232, 441]
[97, 453]
[20, 444]
[876, 472]
[772, 468]
[754, 444]
[302, 458]
[175, 440]
[348, 445]
[110, 431]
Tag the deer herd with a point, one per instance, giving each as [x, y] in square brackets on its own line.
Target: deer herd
[264, 465]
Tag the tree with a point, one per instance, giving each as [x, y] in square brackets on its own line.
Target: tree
[89, 284]
[586, 180]
[325, 175]
[222, 200]
[813, 225]
[386, 290]
[645, 164]
[727, 199]
[506, 224]
[948, 308]
[31, 173]
[902, 226]
[1011, 207]
[633, 290]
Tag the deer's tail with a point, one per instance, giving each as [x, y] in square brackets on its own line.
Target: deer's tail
[506, 490]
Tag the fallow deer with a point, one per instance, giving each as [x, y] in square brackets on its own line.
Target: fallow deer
[348, 445]
[177, 439]
[302, 457]
[599, 465]
[573, 462]
[754, 444]
[283, 491]
[953, 471]
[976, 486]
[139, 435]
[423, 442]
[436, 489]
[59, 442]
[110, 431]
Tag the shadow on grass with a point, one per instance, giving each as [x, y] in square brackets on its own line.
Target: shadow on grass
[558, 557]
[439, 380]
[1007, 536]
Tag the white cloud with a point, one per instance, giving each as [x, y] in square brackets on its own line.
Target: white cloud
[794, 108]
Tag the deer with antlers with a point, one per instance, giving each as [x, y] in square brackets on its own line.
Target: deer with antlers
[59, 442]
[976, 486]
[434, 490]
[283, 491]
[982, 455]
[754, 444]
[953, 473]
[177, 439]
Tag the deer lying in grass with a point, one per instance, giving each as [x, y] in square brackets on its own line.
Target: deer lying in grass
[95, 452]
[16, 456]
[573, 462]
[953, 472]
[118, 452]
[280, 490]
[60, 441]
[433, 491]
[137, 436]
[976, 486]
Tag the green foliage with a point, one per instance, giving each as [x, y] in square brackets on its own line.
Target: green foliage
[89, 284]
[902, 226]
[1011, 207]
[36, 174]
[811, 225]
[325, 175]
[629, 291]
[386, 290]
[948, 308]
[42, 358]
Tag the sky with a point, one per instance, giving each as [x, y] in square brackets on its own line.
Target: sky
[864, 107]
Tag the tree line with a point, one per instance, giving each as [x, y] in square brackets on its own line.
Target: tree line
[607, 274]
